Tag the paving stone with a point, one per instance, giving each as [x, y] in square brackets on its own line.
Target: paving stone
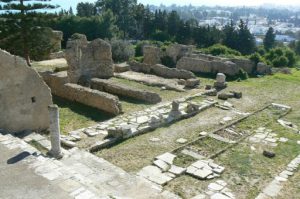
[192, 154]
[200, 196]
[228, 192]
[162, 165]
[199, 164]
[167, 157]
[85, 195]
[215, 187]
[221, 182]
[218, 170]
[181, 141]
[203, 133]
[272, 189]
[69, 185]
[155, 175]
[280, 179]
[177, 170]
[202, 173]
[219, 196]
[154, 139]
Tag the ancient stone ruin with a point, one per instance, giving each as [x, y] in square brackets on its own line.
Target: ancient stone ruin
[152, 55]
[88, 59]
[24, 97]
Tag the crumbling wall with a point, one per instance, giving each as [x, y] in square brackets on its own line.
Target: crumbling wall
[177, 51]
[123, 90]
[24, 96]
[152, 55]
[88, 59]
[163, 71]
[205, 66]
[246, 64]
[60, 86]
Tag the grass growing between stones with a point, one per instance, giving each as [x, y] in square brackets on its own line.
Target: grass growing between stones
[74, 115]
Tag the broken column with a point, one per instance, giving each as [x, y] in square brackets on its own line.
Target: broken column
[54, 132]
[220, 81]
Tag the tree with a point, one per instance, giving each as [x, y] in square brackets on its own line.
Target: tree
[246, 40]
[297, 48]
[19, 19]
[269, 40]
[230, 36]
[86, 9]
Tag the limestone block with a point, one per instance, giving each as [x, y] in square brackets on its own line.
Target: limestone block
[88, 59]
[24, 96]
[151, 55]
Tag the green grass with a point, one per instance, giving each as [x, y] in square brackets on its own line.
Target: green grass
[74, 115]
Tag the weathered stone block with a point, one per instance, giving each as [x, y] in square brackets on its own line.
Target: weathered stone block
[163, 71]
[151, 55]
[123, 90]
[88, 59]
[24, 96]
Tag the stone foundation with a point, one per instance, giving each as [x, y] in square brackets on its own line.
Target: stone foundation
[60, 86]
[123, 90]
[151, 55]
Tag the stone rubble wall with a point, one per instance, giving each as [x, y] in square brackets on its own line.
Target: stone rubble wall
[161, 70]
[123, 90]
[88, 59]
[177, 51]
[246, 64]
[60, 86]
[167, 72]
[24, 96]
[198, 65]
[100, 100]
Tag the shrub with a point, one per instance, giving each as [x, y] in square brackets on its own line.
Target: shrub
[261, 51]
[256, 58]
[281, 61]
[219, 49]
[121, 50]
[291, 56]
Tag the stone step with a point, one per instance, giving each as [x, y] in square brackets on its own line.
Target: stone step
[84, 175]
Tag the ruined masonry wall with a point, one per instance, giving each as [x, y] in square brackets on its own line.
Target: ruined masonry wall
[24, 96]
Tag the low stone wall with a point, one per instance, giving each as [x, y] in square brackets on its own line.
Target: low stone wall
[245, 64]
[60, 86]
[140, 67]
[161, 70]
[124, 90]
[204, 66]
[167, 72]
[94, 98]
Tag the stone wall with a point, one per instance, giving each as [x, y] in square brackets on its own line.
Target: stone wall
[88, 59]
[246, 64]
[167, 72]
[177, 51]
[94, 98]
[60, 86]
[161, 70]
[152, 55]
[204, 66]
[123, 90]
[24, 96]
[57, 37]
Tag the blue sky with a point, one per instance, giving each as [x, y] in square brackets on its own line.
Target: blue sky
[67, 3]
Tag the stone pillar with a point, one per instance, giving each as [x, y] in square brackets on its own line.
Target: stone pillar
[220, 81]
[54, 132]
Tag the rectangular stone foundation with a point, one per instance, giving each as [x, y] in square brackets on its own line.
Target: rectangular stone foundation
[58, 82]
[123, 90]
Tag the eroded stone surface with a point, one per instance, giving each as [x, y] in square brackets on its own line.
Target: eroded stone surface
[24, 96]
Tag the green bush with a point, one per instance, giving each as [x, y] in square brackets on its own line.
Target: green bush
[281, 57]
[219, 49]
[121, 50]
[256, 58]
[281, 61]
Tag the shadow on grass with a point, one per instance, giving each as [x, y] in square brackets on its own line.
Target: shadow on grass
[81, 109]
[134, 101]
